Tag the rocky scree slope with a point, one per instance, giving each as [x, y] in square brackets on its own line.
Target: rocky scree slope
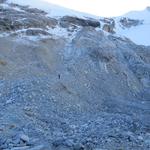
[66, 85]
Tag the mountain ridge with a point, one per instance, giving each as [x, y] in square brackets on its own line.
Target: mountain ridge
[141, 28]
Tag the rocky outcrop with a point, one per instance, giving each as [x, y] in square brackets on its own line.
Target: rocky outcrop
[108, 25]
[32, 21]
[12, 20]
[34, 32]
[67, 21]
[148, 8]
[128, 23]
[108, 28]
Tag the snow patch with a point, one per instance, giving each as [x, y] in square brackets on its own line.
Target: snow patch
[51, 9]
[139, 34]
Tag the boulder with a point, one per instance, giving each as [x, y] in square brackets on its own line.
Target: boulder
[36, 32]
[67, 21]
[108, 28]
[109, 24]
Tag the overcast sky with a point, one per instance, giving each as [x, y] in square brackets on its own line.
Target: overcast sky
[103, 7]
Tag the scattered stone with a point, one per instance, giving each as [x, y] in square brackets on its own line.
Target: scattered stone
[140, 138]
[24, 138]
[39, 147]
[3, 63]
[10, 101]
[79, 147]
[20, 148]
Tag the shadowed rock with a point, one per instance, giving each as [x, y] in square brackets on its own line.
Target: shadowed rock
[67, 21]
[109, 24]
[36, 32]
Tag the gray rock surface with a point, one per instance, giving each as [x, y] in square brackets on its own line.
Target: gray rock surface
[12, 19]
[128, 23]
[91, 92]
[108, 24]
[67, 21]
[2, 1]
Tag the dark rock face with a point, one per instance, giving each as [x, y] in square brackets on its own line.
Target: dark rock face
[11, 20]
[128, 23]
[69, 21]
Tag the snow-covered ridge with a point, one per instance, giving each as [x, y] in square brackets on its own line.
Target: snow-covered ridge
[34, 24]
[52, 9]
[137, 33]
[140, 33]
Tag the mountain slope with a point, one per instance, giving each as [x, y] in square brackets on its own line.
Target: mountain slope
[66, 84]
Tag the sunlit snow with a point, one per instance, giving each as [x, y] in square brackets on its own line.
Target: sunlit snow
[96, 8]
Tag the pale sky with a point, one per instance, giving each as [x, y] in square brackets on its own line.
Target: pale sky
[103, 7]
